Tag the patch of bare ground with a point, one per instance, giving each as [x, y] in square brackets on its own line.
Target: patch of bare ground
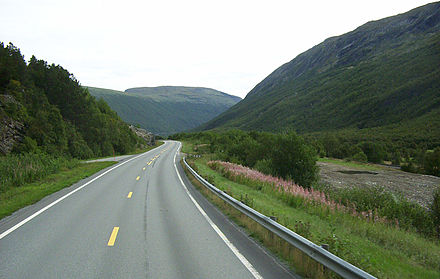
[415, 187]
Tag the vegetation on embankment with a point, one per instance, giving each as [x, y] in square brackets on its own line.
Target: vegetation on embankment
[383, 250]
[43, 108]
[27, 179]
[285, 155]
[369, 239]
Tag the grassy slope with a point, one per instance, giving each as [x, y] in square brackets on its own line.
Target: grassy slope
[166, 110]
[373, 93]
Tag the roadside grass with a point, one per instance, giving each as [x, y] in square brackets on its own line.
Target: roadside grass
[188, 147]
[353, 164]
[382, 250]
[14, 198]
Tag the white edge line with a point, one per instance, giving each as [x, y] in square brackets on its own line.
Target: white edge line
[5, 233]
[231, 246]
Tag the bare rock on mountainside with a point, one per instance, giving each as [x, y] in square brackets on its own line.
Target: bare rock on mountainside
[147, 136]
[10, 129]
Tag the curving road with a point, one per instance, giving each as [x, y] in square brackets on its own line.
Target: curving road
[138, 219]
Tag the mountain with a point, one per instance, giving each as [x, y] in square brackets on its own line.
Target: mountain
[384, 73]
[166, 110]
[44, 109]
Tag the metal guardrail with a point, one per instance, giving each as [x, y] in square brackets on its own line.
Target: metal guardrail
[317, 253]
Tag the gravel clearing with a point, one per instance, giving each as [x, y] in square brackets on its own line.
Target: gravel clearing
[415, 187]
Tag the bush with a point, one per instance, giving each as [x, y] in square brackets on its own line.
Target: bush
[435, 210]
[375, 152]
[360, 157]
[385, 204]
[264, 166]
[292, 158]
[431, 162]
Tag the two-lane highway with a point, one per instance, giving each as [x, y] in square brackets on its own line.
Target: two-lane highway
[138, 219]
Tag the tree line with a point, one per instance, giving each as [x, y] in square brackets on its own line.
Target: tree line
[57, 115]
[284, 155]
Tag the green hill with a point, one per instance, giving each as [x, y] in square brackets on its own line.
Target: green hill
[383, 75]
[166, 109]
[44, 109]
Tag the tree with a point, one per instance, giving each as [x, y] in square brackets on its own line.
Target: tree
[435, 210]
[292, 158]
[431, 163]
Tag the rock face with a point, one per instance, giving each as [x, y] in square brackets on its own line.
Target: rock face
[147, 136]
[10, 134]
[10, 129]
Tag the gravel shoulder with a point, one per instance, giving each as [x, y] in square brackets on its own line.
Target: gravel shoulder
[415, 187]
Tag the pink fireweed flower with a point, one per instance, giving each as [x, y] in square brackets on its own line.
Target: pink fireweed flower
[239, 172]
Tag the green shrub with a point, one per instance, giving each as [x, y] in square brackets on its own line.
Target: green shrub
[435, 210]
[291, 157]
[383, 203]
[374, 151]
[264, 166]
[360, 157]
[431, 163]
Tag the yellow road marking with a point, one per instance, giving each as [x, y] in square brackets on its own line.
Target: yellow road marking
[137, 178]
[143, 168]
[129, 195]
[149, 163]
[112, 239]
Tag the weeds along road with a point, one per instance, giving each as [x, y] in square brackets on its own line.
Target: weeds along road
[138, 219]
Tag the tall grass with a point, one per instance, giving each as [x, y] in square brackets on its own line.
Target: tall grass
[16, 170]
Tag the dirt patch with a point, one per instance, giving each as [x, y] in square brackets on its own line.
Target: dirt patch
[415, 187]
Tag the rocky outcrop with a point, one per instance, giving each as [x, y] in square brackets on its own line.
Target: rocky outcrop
[147, 136]
[10, 129]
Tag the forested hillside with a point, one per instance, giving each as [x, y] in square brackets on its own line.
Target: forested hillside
[43, 108]
[166, 110]
[385, 73]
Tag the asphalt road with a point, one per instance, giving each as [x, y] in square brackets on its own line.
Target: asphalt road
[138, 219]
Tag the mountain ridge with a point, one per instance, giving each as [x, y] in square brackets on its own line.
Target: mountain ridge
[350, 81]
[165, 110]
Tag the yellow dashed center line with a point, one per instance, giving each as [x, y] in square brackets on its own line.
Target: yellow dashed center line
[143, 168]
[129, 195]
[112, 239]
[137, 178]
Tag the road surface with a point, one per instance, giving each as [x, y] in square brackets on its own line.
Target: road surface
[138, 219]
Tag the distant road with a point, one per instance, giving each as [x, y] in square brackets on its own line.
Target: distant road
[138, 219]
[116, 159]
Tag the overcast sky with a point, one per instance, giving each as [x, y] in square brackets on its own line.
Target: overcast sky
[226, 45]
